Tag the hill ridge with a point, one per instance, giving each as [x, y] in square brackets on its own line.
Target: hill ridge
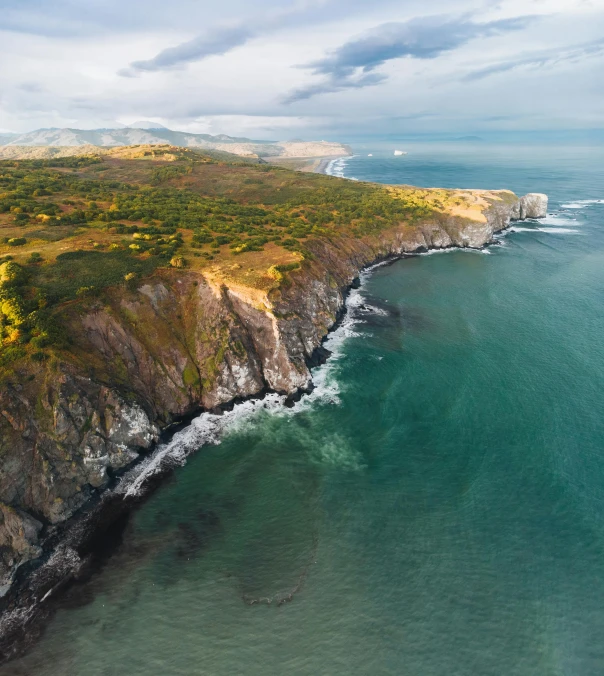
[106, 138]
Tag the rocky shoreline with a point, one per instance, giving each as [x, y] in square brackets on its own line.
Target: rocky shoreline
[280, 346]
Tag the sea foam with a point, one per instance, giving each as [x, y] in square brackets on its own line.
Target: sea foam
[337, 168]
[552, 231]
[559, 220]
[209, 428]
[581, 204]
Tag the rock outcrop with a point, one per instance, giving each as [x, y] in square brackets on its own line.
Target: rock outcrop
[145, 357]
[533, 205]
[18, 539]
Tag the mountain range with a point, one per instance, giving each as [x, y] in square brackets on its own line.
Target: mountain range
[149, 133]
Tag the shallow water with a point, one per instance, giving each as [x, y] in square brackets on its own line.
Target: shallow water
[435, 508]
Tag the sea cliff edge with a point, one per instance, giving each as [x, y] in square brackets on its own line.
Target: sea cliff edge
[164, 336]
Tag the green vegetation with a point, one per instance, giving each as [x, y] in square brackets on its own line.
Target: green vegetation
[75, 226]
[76, 270]
[25, 318]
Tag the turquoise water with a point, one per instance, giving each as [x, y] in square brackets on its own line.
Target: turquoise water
[436, 508]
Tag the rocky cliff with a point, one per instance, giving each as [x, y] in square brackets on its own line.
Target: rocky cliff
[178, 342]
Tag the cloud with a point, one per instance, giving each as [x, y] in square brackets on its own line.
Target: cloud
[351, 65]
[334, 85]
[410, 73]
[539, 60]
[74, 19]
[215, 42]
[221, 39]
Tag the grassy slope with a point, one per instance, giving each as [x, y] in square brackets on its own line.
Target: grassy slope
[76, 226]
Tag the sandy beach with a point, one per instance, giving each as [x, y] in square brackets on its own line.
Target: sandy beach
[316, 165]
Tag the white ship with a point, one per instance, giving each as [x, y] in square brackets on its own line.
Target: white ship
[399, 152]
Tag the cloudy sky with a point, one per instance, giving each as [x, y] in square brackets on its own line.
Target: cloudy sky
[303, 68]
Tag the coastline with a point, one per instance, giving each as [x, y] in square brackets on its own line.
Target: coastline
[78, 548]
[313, 165]
[323, 165]
[74, 549]
[336, 166]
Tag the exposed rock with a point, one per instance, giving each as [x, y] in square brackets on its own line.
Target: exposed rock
[177, 344]
[55, 456]
[18, 542]
[533, 205]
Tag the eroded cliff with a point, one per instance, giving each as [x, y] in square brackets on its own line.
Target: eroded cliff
[150, 353]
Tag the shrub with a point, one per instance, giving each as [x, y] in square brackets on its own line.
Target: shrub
[11, 272]
[40, 341]
[178, 262]
[17, 241]
[277, 271]
[12, 354]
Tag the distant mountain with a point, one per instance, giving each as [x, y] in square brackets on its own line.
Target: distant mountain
[121, 137]
[129, 136]
[7, 136]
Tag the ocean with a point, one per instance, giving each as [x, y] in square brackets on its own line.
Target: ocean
[434, 508]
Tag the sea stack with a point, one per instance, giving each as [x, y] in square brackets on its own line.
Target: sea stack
[533, 205]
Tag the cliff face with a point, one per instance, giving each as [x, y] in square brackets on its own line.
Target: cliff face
[151, 354]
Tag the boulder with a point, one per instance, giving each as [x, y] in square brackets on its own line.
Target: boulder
[533, 205]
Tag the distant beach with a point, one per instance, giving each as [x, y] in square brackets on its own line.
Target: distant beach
[316, 165]
[322, 165]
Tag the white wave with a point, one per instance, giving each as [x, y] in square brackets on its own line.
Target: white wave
[560, 231]
[205, 430]
[326, 384]
[337, 167]
[209, 428]
[552, 231]
[371, 309]
[558, 219]
[581, 204]
[451, 249]
[329, 169]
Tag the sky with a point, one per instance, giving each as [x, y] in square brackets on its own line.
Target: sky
[310, 69]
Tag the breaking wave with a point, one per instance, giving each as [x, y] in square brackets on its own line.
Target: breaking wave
[560, 231]
[559, 220]
[209, 428]
[581, 204]
[451, 249]
[551, 231]
[337, 168]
